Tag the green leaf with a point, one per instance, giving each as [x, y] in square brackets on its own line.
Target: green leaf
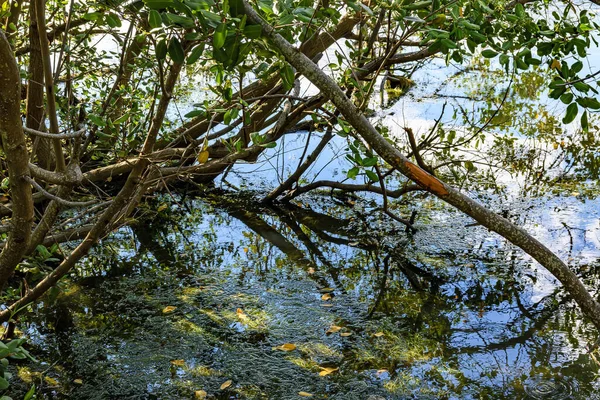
[487, 53]
[370, 161]
[176, 50]
[567, 98]
[97, 120]
[30, 393]
[3, 383]
[287, 74]
[154, 19]
[159, 4]
[352, 173]
[184, 22]
[161, 49]
[195, 54]
[194, 113]
[584, 121]
[372, 176]
[589, 102]
[253, 31]
[220, 36]
[113, 20]
[520, 10]
[93, 16]
[572, 110]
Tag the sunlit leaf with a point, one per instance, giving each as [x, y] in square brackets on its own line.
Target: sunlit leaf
[326, 296]
[241, 314]
[226, 384]
[203, 157]
[378, 334]
[179, 363]
[78, 381]
[345, 334]
[305, 394]
[200, 394]
[333, 329]
[286, 347]
[169, 309]
[154, 19]
[327, 370]
[219, 36]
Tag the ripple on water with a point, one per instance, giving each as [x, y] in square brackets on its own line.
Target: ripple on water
[555, 388]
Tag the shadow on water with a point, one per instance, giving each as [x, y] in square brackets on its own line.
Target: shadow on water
[207, 291]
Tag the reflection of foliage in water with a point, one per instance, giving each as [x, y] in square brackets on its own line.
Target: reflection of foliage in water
[450, 319]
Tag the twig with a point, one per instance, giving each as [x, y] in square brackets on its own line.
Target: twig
[59, 200]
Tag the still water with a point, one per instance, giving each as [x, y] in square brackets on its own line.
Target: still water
[220, 294]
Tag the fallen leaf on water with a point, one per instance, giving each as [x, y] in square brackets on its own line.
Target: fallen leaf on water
[203, 157]
[287, 347]
[326, 305]
[179, 363]
[226, 384]
[327, 370]
[333, 329]
[241, 314]
[200, 394]
[326, 296]
[378, 334]
[78, 381]
[169, 309]
[345, 334]
[305, 394]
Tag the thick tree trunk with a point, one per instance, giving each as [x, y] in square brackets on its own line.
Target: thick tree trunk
[391, 155]
[17, 160]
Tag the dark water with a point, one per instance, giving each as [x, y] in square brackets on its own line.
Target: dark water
[448, 313]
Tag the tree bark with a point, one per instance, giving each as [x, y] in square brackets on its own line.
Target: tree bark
[17, 161]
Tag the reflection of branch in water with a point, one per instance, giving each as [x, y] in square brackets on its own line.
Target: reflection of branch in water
[313, 248]
[382, 286]
[512, 342]
[274, 237]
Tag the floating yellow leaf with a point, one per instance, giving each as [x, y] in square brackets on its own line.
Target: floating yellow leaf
[179, 363]
[203, 157]
[226, 384]
[200, 394]
[333, 329]
[241, 314]
[305, 394]
[345, 334]
[326, 305]
[378, 334]
[287, 347]
[327, 370]
[326, 296]
[78, 381]
[169, 309]
[326, 290]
